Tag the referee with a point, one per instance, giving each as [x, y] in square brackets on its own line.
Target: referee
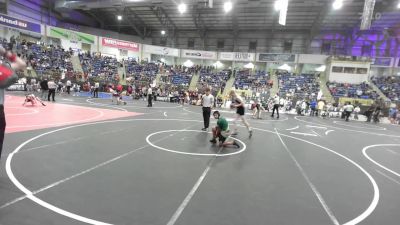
[207, 101]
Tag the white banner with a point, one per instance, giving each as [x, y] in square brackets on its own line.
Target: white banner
[194, 54]
[159, 50]
[237, 56]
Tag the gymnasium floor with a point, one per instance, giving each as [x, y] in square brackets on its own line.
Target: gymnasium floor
[85, 161]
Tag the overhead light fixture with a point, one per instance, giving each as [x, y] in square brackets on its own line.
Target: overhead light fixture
[398, 5]
[285, 67]
[163, 32]
[337, 4]
[283, 11]
[182, 8]
[188, 63]
[249, 66]
[278, 5]
[119, 17]
[218, 64]
[228, 6]
[321, 68]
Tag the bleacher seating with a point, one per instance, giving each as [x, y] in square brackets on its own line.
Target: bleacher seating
[208, 77]
[96, 65]
[362, 90]
[245, 80]
[390, 86]
[141, 73]
[45, 59]
[299, 86]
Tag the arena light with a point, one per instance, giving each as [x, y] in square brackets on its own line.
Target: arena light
[218, 64]
[285, 67]
[398, 5]
[337, 4]
[162, 60]
[249, 66]
[182, 8]
[163, 32]
[278, 5]
[283, 12]
[119, 17]
[228, 6]
[321, 68]
[188, 63]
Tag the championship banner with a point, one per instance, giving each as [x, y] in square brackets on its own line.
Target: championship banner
[382, 62]
[267, 57]
[71, 35]
[237, 56]
[159, 50]
[198, 54]
[20, 24]
[113, 43]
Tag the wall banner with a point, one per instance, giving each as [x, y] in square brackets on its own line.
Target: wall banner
[198, 54]
[159, 50]
[19, 24]
[267, 57]
[73, 36]
[114, 43]
[237, 56]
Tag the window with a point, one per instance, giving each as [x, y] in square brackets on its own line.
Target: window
[326, 48]
[163, 42]
[287, 46]
[349, 70]
[252, 45]
[362, 70]
[220, 44]
[191, 43]
[337, 69]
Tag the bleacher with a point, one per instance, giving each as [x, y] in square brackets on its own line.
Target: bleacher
[363, 90]
[141, 73]
[390, 86]
[210, 78]
[245, 80]
[45, 59]
[299, 86]
[95, 65]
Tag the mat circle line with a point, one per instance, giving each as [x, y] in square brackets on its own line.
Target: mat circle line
[77, 217]
[364, 151]
[189, 153]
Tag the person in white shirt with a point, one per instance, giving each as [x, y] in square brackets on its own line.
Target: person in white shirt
[149, 97]
[348, 109]
[69, 84]
[356, 112]
[276, 102]
[96, 90]
[207, 101]
[52, 90]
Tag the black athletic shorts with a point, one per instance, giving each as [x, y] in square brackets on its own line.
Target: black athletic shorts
[221, 138]
[240, 110]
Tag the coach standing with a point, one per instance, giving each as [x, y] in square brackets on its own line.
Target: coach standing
[207, 101]
[7, 78]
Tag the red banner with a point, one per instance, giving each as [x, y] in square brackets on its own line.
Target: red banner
[113, 43]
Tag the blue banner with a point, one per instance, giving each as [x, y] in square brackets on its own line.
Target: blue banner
[19, 24]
